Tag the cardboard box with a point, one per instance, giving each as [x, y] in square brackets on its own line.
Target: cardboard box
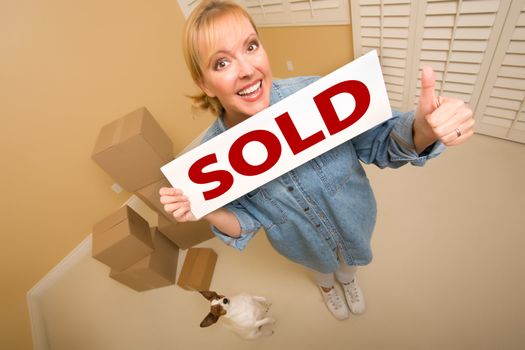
[154, 271]
[186, 234]
[121, 239]
[150, 195]
[132, 149]
[197, 270]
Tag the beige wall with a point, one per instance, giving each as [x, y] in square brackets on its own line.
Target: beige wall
[66, 69]
[314, 50]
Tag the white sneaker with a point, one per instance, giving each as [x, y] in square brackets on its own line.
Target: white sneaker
[354, 297]
[335, 303]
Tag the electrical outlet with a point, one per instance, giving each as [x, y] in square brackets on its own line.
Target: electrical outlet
[116, 188]
[289, 65]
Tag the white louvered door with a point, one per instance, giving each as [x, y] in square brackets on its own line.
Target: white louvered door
[295, 12]
[390, 28]
[471, 44]
[187, 6]
[459, 39]
[289, 12]
[501, 109]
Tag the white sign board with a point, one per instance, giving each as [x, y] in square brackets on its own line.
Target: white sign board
[302, 126]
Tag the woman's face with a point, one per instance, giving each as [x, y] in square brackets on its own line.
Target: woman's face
[238, 71]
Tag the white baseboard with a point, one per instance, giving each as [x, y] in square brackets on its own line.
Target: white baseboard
[38, 326]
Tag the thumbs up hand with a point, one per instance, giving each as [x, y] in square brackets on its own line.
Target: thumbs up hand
[440, 118]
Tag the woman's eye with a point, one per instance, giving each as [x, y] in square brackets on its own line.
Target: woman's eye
[221, 64]
[253, 46]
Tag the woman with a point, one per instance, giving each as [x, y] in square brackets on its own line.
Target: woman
[322, 213]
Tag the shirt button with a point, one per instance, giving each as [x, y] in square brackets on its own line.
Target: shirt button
[306, 209]
[318, 225]
[290, 188]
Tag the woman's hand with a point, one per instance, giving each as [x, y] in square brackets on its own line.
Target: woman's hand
[446, 119]
[176, 204]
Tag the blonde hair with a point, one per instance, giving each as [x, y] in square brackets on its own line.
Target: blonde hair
[199, 26]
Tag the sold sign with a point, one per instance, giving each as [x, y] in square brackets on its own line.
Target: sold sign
[302, 126]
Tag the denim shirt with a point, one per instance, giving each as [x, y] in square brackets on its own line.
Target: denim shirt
[326, 204]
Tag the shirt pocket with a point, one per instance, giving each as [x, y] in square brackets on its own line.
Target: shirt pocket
[267, 206]
[334, 168]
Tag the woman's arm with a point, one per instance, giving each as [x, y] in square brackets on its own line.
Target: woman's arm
[439, 118]
[177, 204]
[225, 221]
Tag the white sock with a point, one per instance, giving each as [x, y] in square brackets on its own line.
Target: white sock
[325, 280]
[345, 273]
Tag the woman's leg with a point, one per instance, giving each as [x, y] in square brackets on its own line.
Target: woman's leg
[334, 302]
[324, 280]
[346, 275]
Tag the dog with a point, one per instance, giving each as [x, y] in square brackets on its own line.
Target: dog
[245, 314]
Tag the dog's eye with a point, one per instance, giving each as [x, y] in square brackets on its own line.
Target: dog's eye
[225, 301]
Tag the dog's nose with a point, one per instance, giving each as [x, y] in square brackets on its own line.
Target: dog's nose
[225, 301]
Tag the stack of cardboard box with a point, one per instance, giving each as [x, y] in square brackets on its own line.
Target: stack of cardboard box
[139, 256]
[132, 150]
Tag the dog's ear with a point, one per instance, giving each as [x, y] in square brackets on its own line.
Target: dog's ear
[209, 295]
[209, 320]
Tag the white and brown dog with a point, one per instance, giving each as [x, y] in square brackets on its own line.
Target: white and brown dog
[245, 314]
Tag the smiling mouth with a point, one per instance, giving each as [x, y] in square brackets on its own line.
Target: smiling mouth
[252, 90]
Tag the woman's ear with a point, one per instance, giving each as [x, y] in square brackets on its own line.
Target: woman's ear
[200, 83]
[209, 320]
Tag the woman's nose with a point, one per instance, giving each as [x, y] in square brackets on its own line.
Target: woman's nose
[246, 69]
